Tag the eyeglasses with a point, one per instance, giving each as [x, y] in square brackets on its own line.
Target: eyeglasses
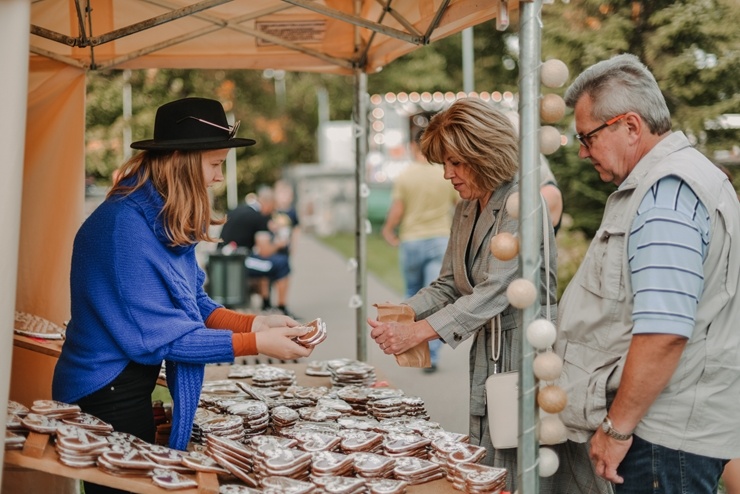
[231, 129]
[585, 139]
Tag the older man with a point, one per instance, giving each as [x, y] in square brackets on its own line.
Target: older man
[648, 327]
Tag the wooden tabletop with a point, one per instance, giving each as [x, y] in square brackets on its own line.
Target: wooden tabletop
[47, 347]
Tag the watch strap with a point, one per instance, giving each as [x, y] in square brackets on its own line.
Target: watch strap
[610, 431]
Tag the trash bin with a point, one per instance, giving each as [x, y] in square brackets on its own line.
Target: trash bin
[227, 278]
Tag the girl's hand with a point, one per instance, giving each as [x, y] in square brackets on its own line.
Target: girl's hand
[262, 323]
[278, 342]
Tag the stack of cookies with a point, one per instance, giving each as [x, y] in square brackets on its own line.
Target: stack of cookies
[328, 463]
[255, 416]
[282, 416]
[472, 477]
[406, 445]
[357, 397]
[226, 426]
[340, 485]
[276, 378]
[315, 335]
[385, 486]
[282, 462]
[355, 373]
[371, 465]
[417, 471]
[234, 456]
[79, 448]
[358, 441]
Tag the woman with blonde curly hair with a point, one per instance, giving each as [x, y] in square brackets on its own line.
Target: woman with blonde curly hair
[478, 147]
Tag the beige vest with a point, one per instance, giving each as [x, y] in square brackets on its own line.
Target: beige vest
[697, 411]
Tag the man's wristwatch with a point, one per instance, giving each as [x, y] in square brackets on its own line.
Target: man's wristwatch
[610, 431]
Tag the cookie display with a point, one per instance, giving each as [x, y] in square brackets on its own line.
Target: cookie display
[328, 463]
[346, 373]
[283, 416]
[89, 422]
[417, 471]
[241, 371]
[40, 423]
[317, 368]
[17, 408]
[54, 409]
[356, 440]
[267, 376]
[386, 486]
[201, 462]
[238, 489]
[406, 445]
[316, 441]
[34, 326]
[287, 485]
[484, 479]
[13, 440]
[170, 479]
[340, 485]
[371, 465]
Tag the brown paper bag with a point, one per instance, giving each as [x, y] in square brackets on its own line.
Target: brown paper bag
[417, 356]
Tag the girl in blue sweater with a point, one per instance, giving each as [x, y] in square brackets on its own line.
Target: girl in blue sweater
[137, 291]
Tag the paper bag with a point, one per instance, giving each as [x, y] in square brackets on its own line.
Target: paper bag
[417, 356]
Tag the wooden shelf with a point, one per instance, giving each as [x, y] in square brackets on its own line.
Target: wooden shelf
[47, 347]
[40, 456]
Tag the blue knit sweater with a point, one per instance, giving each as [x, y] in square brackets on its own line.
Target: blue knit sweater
[134, 298]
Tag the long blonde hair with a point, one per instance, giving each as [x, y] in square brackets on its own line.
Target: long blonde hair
[479, 135]
[178, 177]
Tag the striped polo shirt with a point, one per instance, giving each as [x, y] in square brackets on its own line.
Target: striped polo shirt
[667, 246]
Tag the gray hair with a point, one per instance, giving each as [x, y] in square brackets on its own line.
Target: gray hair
[619, 85]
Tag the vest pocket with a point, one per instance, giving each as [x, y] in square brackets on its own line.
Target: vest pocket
[602, 267]
[586, 371]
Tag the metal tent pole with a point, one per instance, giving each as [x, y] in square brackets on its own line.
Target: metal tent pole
[530, 230]
[359, 126]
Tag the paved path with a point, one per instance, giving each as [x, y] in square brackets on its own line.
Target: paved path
[321, 286]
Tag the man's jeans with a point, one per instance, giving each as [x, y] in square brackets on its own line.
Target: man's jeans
[421, 261]
[651, 469]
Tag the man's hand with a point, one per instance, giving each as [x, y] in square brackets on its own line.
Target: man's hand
[394, 338]
[262, 323]
[278, 343]
[606, 454]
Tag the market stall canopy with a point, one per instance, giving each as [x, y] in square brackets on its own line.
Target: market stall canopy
[68, 38]
[333, 36]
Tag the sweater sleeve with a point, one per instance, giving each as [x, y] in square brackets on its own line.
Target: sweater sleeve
[237, 322]
[244, 344]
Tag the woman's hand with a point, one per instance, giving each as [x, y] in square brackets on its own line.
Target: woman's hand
[394, 338]
[262, 323]
[278, 342]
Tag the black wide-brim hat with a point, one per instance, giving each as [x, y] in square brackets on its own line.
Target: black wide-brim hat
[190, 124]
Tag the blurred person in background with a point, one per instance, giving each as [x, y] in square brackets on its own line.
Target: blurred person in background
[248, 225]
[418, 223]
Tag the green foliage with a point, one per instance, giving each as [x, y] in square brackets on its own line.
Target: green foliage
[692, 46]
